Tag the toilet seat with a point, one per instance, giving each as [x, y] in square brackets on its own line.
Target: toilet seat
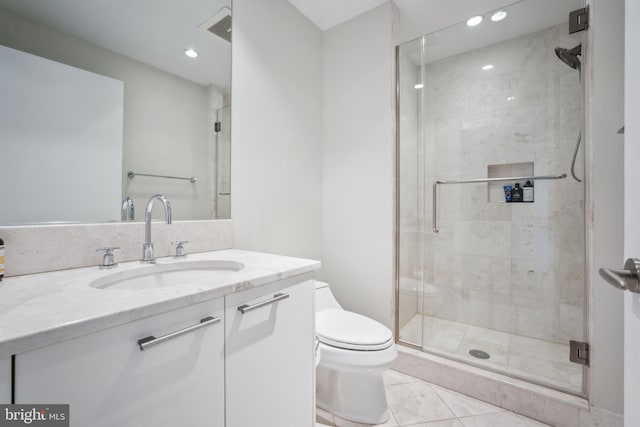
[351, 331]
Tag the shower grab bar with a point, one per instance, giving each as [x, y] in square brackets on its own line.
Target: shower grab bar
[132, 174]
[479, 181]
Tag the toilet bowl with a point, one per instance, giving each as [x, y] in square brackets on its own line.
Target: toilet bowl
[355, 351]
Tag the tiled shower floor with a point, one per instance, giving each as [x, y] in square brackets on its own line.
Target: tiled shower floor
[533, 359]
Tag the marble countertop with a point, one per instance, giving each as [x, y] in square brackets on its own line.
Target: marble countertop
[41, 309]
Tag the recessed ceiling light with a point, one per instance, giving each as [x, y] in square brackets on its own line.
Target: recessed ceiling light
[487, 67]
[419, 86]
[474, 20]
[191, 53]
[510, 98]
[499, 16]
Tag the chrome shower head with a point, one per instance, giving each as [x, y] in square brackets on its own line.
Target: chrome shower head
[570, 56]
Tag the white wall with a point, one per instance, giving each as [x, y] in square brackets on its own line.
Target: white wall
[358, 163]
[605, 98]
[276, 173]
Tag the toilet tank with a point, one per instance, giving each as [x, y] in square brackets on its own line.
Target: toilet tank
[325, 298]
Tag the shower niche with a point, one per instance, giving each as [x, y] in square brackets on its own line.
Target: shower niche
[495, 189]
[478, 276]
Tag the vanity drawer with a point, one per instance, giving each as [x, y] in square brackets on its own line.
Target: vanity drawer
[109, 378]
[5, 380]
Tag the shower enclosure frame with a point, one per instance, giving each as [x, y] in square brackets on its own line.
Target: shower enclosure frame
[587, 251]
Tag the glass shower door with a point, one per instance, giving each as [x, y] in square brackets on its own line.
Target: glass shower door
[491, 251]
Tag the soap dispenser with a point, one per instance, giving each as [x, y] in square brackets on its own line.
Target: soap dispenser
[527, 192]
[516, 193]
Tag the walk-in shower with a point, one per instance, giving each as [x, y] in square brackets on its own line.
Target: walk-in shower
[490, 226]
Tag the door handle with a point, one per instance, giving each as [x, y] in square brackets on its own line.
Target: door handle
[627, 279]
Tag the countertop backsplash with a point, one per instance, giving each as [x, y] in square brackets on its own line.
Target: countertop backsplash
[41, 248]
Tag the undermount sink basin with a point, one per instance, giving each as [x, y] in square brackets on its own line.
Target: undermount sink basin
[171, 274]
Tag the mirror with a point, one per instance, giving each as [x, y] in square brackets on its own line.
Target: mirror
[138, 116]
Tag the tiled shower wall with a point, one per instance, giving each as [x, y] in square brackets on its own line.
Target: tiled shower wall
[515, 268]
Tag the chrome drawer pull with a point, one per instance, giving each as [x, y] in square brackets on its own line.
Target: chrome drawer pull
[277, 297]
[150, 341]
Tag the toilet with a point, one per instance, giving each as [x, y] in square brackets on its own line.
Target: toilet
[354, 352]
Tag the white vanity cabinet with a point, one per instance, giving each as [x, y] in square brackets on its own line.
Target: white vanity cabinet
[270, 355]
[109, 381]
[5, 380]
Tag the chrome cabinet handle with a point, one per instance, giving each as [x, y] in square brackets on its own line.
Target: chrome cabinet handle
[277, 297]
[626, 279]
[150, 341]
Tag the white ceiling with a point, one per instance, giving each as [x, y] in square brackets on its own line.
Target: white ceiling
[329, 13]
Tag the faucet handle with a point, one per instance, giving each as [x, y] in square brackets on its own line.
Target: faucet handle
[179, 244]
[108, 260]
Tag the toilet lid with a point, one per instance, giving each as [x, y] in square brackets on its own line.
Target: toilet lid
[344, 329]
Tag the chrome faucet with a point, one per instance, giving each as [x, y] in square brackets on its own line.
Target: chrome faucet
[147, 248]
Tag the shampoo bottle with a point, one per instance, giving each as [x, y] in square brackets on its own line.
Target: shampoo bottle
[527, 192]
[507, 193]
[516, 193]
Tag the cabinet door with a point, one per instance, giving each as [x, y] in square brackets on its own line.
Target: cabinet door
[5, 380]
[270, 356]
[109, 381]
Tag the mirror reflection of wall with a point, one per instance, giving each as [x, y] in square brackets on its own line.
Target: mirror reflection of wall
[71, 151]
[171, 101]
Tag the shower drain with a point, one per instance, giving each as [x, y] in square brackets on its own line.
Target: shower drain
[479, 354]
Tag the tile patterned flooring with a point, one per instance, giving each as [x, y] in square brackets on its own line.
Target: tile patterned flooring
[416, 403]
[542, 361]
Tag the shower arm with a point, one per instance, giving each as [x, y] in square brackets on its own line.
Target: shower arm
[479, 181]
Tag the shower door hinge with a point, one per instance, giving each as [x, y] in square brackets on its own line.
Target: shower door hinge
[578, 20]
[579, 352]
[217, 126]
